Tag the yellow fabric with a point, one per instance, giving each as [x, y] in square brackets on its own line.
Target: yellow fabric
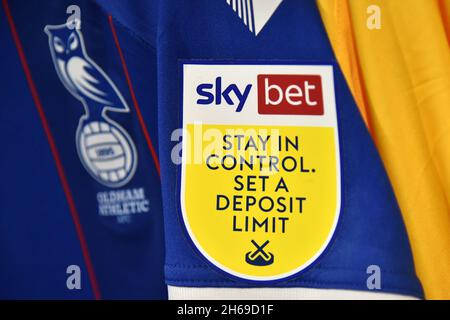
[400, 77]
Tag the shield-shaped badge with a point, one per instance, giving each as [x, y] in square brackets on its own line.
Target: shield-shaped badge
[260, 190]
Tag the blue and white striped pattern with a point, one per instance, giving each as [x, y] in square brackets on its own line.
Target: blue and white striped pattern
[244, 9]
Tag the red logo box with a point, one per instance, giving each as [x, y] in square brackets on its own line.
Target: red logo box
[290, 94]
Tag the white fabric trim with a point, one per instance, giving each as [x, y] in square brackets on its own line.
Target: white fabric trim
[194, 293]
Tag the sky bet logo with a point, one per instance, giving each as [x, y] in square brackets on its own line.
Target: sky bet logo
[287, 94]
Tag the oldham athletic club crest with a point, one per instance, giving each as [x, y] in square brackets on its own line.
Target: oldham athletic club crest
[105, 148]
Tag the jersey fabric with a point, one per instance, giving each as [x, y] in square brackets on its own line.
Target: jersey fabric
[404, 99]
[58, 210]
[104, 105]
[371, 230]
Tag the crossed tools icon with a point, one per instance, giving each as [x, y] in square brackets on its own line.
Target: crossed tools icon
[259, 257]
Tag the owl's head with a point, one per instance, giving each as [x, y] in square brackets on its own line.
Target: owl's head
[64, 41]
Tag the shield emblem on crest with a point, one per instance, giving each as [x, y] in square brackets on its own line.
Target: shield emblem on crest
[260, 189]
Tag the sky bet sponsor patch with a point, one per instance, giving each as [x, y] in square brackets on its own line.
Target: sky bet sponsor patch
[260, 179]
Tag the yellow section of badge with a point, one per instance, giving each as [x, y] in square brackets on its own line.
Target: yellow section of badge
[261, 202]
